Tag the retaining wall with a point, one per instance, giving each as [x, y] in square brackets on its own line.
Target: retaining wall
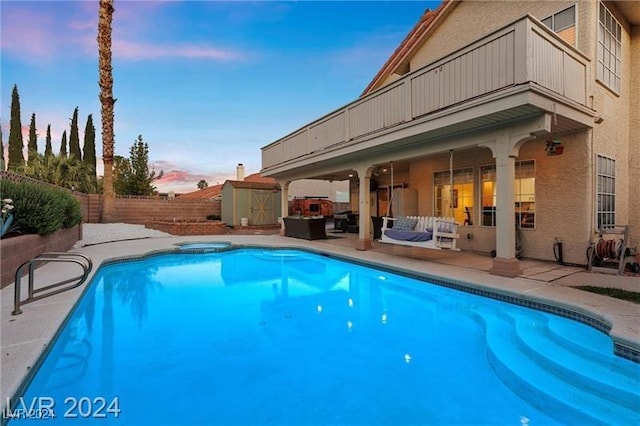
[17, 250]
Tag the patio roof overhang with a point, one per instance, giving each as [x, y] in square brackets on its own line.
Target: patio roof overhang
[517, 73]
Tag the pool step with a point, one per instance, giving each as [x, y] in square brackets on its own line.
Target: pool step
[602, 377]
[545, 387]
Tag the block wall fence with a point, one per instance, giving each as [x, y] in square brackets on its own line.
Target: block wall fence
[140, 210]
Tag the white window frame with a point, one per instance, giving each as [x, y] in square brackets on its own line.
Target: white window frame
[517, 193]
[609, 49]
[605, 203]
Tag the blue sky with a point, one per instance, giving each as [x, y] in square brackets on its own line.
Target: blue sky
[206, 83]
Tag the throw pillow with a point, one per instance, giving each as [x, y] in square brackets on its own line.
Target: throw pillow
[405, 224]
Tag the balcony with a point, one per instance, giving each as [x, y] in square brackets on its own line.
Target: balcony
[518, 71]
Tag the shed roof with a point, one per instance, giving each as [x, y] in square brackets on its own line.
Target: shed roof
[252, 185]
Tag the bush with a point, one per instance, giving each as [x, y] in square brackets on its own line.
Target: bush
[39, 209]
[213, 217]
[72, 208]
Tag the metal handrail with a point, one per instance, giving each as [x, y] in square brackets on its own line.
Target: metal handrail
[32, 295]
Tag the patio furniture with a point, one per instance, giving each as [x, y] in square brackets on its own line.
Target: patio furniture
[305, 227]
[421, 231]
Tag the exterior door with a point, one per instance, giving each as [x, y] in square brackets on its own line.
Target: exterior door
[263, 208]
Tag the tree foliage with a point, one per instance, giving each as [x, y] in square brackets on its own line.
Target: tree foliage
[89, 149]
[48, 149]
[16, 143]
[131, 176]
[63, 145]
[1, 150]
[202, 184]
[74, 137]
[32, 143]
[67, 172]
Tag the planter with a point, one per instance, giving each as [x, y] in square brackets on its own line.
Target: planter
[16, 250]
[308, 229]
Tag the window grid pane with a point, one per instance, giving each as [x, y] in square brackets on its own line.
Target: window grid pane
[524, 194]
[609, 69]
[605, 192]
[460, 200]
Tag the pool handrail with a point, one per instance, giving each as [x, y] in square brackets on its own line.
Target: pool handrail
[78, 258]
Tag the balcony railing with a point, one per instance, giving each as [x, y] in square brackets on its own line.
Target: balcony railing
[522, 52]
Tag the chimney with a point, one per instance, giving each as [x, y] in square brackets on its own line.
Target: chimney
[240, 172]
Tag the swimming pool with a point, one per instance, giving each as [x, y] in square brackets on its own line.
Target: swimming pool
[255, 336]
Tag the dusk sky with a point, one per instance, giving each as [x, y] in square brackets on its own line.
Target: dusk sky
[206, 83]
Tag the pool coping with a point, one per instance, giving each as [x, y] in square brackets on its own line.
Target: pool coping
[531, 295]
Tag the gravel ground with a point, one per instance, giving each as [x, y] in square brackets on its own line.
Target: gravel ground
[96, 233]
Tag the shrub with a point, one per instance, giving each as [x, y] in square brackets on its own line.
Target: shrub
[40, 209]
[72, 209]
[213, 217]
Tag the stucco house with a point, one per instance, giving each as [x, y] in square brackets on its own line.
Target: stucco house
[533, 106]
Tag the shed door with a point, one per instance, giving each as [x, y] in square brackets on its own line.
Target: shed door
[263, 208]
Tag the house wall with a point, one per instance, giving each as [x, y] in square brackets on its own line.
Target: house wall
[634, 136]
[565, 185]
[614, 137]
[471, 20]
[562, 210]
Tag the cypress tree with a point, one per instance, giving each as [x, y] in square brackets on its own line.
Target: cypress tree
[63, 145]
[74, 137]
[32, 144]
[16, 143]
[1, 150]
[89, 149]
[48, 150]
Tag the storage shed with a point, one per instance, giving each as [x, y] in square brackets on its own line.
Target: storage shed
[257, 202]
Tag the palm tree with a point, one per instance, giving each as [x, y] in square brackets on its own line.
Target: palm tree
[107, 101]
[67, 172]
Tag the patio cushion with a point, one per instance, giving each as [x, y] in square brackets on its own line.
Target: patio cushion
[405, 224]
[408, 235]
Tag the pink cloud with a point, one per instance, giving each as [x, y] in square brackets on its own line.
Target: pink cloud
[35, 39]
[53, 32]
[178, 180]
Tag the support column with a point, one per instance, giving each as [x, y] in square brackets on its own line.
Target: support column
[364, 208]
[505, 148]
[505, 262]
[284, 202]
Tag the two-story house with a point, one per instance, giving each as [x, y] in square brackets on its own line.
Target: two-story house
[500, 114]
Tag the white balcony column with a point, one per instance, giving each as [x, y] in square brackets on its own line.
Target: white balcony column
[284, 202]
[505, 262]
[505, 148]
[365, 241]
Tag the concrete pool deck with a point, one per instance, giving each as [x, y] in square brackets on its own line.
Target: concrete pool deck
[24, 337]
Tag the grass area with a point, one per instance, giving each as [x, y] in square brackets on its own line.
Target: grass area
[618, 293]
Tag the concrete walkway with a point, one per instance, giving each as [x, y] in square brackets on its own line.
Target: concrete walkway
[25, 336]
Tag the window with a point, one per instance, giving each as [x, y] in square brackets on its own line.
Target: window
[459, 198]
[609, 67]
[606, 192]
[564, 24]
[525, 194]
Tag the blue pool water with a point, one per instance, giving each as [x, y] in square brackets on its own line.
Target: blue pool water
[252, 336]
